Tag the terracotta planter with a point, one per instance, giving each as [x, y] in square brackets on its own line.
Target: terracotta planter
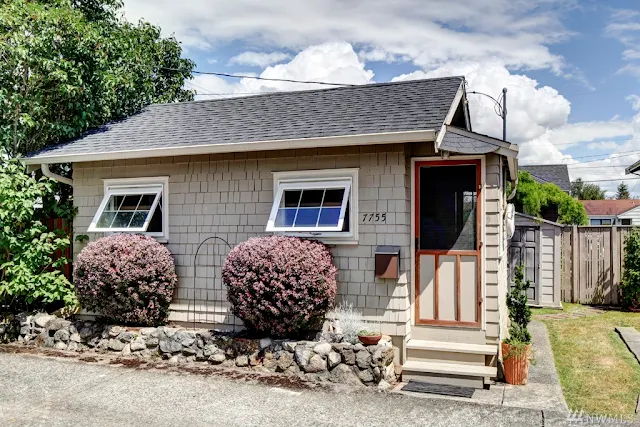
[515, 364]
[369, 339]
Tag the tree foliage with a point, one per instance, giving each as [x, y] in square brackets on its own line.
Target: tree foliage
[586, 191]
[28, 270]
[623, 192]
[630, 286]
[532, 198]
[70, 65]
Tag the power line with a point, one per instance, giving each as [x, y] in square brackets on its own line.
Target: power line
[243, 76]
[611, 155]
[617, 179]
[595, 167]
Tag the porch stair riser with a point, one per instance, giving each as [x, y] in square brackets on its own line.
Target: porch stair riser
[451, 363]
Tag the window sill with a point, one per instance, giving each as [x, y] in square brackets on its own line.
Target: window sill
[328, 240]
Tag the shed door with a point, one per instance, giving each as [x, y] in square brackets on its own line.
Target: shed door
[525, 249]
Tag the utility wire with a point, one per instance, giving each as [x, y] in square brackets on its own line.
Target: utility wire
[616, 179]
[242, 76]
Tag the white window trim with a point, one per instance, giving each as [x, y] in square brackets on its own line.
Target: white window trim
[123, 186]
[319, 178]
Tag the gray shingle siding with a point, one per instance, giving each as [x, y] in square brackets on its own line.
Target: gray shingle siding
[466, 145]
[367, 109]
[554, 174]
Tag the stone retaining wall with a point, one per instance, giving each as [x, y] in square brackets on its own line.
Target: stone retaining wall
[310, 360]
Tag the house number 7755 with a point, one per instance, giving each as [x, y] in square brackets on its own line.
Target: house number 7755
[374, 217]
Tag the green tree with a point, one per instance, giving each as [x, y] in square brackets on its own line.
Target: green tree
[587, 191]
[70, 65]
[532, 198]
[623, 192]
[630, 286]
[29, 274]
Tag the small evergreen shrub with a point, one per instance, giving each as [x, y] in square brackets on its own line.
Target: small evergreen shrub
[630, 286]
[126, 278]
[519, 311]
[280, 285]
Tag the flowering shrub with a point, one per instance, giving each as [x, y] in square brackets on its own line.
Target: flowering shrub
[126, 278]
[280, 285]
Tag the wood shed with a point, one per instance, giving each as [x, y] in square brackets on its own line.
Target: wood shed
[536, 243]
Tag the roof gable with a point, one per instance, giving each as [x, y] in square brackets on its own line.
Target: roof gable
[416, 105]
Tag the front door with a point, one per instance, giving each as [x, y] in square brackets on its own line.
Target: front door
[448, 229]
[524, 250]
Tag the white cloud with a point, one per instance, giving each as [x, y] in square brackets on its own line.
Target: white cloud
[603, 145]
[515, 33]
[328, 62]
[624, 26]
[259, 59]
[635, 101]
[582, 132]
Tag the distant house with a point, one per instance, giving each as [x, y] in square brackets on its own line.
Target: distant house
[612, 212]
[554, 174]
[550, 174]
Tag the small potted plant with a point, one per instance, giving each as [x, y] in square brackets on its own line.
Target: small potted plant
[367, 337]
[516, 350]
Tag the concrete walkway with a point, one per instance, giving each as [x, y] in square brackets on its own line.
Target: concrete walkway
[631, 338]
[36, 390]
[543, 391]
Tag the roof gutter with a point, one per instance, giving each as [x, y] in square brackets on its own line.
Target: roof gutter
[47, 172]
[238, 147]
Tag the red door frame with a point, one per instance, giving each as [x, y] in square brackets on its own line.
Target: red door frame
[456, 253]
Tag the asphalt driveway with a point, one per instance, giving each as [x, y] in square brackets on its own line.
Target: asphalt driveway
[45, 391]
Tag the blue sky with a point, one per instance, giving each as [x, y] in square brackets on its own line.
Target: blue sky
[572, 67]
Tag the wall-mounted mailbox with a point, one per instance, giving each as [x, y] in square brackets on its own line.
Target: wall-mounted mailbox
[388, 262]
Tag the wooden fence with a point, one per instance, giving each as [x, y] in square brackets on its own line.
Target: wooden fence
[592, 264]
[54, 224]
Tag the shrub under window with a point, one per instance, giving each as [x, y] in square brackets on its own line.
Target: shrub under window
[126, 278]
[280, 285]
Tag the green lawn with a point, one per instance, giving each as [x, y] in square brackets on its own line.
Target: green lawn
[597, 371]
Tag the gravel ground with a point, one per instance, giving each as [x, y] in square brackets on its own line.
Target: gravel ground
[46, 391]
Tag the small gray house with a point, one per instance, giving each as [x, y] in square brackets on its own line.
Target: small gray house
[402, 166]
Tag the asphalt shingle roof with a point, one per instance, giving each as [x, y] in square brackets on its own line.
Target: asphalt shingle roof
[555, 174]
[355, 110]
[608, 207]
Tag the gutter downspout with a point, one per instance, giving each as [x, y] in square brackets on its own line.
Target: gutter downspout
[46, 172]
[513, 171]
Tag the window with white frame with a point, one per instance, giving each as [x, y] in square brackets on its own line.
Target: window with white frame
[320, 204]
[136, 205]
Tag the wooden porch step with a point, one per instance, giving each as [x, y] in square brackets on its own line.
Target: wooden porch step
[449, 368]
[453, 347]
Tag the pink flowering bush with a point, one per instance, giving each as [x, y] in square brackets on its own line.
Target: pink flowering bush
[126, 278]
[280, 285]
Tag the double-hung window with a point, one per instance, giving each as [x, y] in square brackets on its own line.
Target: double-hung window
[318, 204]
[137, 205]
